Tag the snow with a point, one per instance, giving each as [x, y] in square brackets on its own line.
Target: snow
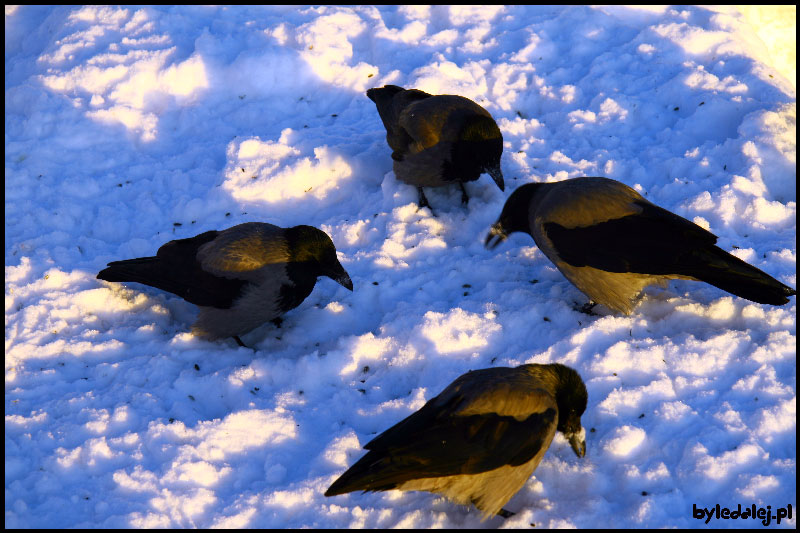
[127, 127]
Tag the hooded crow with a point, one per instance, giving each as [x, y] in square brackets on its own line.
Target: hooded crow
[611, 243]
[240, 277]
[479, 440]
[438, 140]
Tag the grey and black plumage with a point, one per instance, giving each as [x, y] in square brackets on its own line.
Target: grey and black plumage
[611, 243]
[438, 140]
[240, 277]
[479, 440]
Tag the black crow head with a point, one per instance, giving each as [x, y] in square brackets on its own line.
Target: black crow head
[313, 247]
[477, 150]
[514, 217]
[571, 398]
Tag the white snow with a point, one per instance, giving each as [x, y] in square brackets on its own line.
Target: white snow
[127, 127]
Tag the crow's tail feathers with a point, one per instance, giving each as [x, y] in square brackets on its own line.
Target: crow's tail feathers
[146, 270]
[731, 274]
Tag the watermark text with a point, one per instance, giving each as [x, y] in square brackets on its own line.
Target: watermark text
[765, 514]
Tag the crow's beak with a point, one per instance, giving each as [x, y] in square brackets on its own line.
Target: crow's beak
[497, 176]
[345, 281]
[578, 442]
[340, 276]
[497, 234]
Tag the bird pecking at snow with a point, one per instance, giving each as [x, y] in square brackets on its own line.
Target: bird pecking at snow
[611, 243]
[240, 277]
[438, 140]
[479, 440]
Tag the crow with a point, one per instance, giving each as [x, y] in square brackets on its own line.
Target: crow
[240, 277]
[478, 441]
[438, 140]
[611, 243]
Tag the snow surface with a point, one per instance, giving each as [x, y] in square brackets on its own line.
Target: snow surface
[128, 127]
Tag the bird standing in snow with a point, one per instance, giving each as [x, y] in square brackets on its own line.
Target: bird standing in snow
[438, 140]
[479, 440]
[611, 243]
[240, 277]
